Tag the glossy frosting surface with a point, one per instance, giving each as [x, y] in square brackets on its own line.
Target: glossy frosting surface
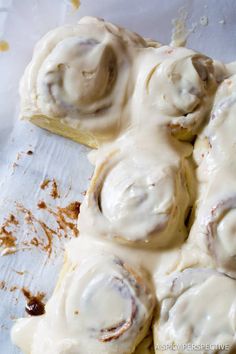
[162, 197]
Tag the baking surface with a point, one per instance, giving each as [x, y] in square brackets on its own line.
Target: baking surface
[29, 156]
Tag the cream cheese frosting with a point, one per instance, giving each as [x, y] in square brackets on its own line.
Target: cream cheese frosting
[79, 78]
[101, 305]
[134, 195]
[159, 201]
[198, 310]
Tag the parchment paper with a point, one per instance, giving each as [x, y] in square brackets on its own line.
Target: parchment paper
[22, 23]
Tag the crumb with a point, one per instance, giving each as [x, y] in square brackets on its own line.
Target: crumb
[4, 46]
[29, 152]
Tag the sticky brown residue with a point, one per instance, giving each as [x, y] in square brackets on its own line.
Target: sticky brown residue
[34, 306]
[72, 210]
[31, 220]
[7, 239]
[54, 192]
[60, 222]
[67, 218]
[75, 4]
[45, 184]
[4, 46]
[42, 205]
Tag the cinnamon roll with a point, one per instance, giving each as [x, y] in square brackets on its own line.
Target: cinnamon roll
[197, 313]
[101, 305]
[217, 142]
[221, 236]
[78, 80]
[176, 86]
[138, 194]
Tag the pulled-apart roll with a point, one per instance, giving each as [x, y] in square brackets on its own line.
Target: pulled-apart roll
[138, 194]
[101, 305]
[175, 86]
[197, 313]
[78, 80]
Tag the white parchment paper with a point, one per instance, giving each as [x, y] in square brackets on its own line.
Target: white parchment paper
[22, 23]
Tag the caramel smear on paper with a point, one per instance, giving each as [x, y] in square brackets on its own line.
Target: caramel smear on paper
[42, 234]
[4, 46]
[75, 4]
[7, 238]
[54, 187]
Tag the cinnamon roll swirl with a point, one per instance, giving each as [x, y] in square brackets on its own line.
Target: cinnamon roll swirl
[176, 85]
[197, 313]
[138, 195]
[101, 305]
[77, 82]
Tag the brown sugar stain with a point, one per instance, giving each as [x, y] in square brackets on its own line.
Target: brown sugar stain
[45, 183]
[54, 192]
[54, 187]
[72, 210]
[7, 239]
[66, 218]
[48, 232]
[42, 205]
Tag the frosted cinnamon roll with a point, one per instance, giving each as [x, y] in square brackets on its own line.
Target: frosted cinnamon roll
[197, 313]
[77, 83]
[175, 86]
[139, 193]
[217, 142]
[101, 305]
[221, 235]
